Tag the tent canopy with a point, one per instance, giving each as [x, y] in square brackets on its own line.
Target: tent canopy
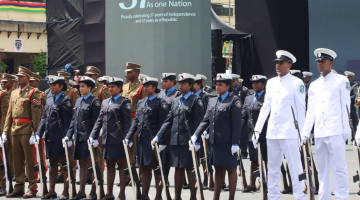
[217, 23]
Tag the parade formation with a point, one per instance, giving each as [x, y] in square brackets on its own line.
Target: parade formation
[142, 126]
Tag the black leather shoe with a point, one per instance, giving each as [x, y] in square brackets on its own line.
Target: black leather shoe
[249, 189]
[53, 196]
[226, 189]
[211, 189]
[92, 198]
[110, 198]
[79, 197]
[63, 198]
[287, 191]
[186, 187]
[204, 187]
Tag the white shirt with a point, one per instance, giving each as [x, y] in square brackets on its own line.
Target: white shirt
[282, 93]
[328, 101]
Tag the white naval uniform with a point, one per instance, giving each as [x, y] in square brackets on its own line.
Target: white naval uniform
[282, 93]
[328, 98]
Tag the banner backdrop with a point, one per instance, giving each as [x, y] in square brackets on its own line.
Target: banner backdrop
[160, 35]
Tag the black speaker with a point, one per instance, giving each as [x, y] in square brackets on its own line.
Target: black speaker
[216, 43]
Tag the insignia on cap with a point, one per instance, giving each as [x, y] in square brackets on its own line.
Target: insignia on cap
[302, 89]
[347, 85]
[319, 55]
[164, 105]
[200, 102]
[128, 106]
[238, 103]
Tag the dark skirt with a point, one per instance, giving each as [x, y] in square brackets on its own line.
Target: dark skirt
[55, 149]
[145, 153]
[220, 156]
[81, 151]
[180, 156]
[253, 153]
[113, 151]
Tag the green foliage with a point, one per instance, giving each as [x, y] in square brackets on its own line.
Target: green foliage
[3, 67]
[38, 64]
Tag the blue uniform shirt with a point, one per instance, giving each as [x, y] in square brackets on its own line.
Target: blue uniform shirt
[114, 98]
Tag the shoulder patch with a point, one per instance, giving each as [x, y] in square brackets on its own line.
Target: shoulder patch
[302, 89]
[128, 106]
[200, 102]
[68, 103]
[164, 105]
[347, 85]
[97, 103]
[238, 103]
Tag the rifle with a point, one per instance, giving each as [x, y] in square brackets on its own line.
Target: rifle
[283, 177]
[40, 164]
[9, 185]
[71, 176]
[242, 171]
[195, 162]
[308, 171]
[262, 170]
[159, 170]
[99, 181]
[131, 168]
[209, 169]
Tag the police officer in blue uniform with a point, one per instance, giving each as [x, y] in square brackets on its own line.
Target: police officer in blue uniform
[150, 114]
[115, 121]
[188, 107]
[251, 111]
[223, 116]
[54, 124]
[86, 112]
[169, 93]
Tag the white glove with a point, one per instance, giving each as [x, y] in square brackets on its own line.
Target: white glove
[155, 141]
[193, 138]
[37, 139]
[69, 142]
[161, 147]
[196, 146]
[32, 140]
[304, 139]
[346, 137]
[4, 138]
[255, 139]
[206, 135]
[128, 143]
[93, 142]
[234, 149]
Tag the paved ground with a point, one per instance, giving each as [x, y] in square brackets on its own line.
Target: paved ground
[350, 158]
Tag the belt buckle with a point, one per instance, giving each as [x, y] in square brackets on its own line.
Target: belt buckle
[16, 121]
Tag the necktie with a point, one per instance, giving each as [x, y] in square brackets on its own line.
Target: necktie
[219, 100]
[112, 100]
[256, 97]
[54, 98]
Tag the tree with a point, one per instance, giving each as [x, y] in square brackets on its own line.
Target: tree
[3, 67]
[38, 63]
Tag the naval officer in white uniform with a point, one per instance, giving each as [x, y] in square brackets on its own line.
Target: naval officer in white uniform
[283, 93]
[328, 107]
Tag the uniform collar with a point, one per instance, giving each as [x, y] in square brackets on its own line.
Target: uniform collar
[169, 91]
[198, 93]
[87, 96]
[223, 96]
[260, 93]
[186, 96]
[116, 97]
[329, 75]
[25, 88]
[237, 88]
[58, 96]
[285, 77]
[150, 98]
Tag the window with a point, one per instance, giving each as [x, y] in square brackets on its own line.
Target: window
[221, 10]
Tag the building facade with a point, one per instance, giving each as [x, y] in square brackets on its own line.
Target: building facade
[22, 32]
